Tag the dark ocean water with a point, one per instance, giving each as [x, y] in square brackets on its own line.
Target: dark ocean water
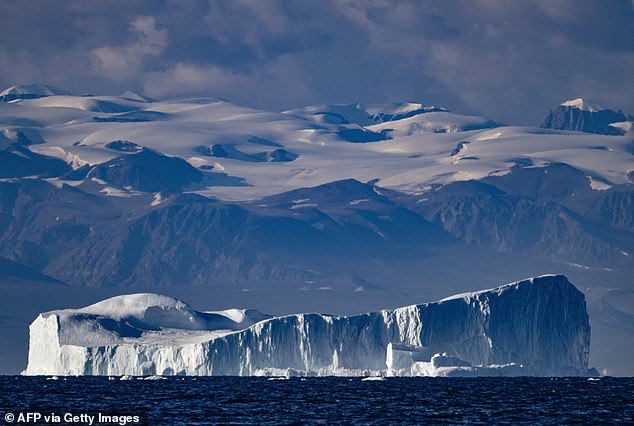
[259, 401]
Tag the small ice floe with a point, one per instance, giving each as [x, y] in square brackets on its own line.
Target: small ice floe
[126, 378]
[279, 378]
[112, 378]
[593, 379]
[154, 378]
[373, 379]
[52, 378]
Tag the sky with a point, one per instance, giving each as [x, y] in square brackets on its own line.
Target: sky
[510, 60]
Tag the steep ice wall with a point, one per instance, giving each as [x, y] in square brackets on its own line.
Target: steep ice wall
[533, 327]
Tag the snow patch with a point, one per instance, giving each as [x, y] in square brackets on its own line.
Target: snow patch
[583, 105]
[303, 206]
[625, 126]
[115, 192]
[158, 199]
[486, 136]
[598, 185]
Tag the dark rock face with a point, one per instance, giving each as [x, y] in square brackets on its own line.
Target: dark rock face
[39, 222]
[111, 242]
[571, 118]
[147, 171]
[614, 207]
[19, 161]
[132, 116]
[319, 234]
[281, 155]
[230, 151]
[219, 151]
[544, 212]
[555, 182]
[14, 272]
[124, 146]
[360, 135]
[383, 117]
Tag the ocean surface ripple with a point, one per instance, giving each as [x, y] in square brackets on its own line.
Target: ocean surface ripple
[262, 401]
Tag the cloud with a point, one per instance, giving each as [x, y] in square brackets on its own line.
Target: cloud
[188, 78]
[125, 62]
[511, 61]
[259, 89]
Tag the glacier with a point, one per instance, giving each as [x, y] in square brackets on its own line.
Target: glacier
[534, 327]
[246, 154]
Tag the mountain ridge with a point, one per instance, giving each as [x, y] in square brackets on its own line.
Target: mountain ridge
[580, 115]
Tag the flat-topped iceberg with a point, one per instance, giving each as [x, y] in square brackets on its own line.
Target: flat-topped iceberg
[536, 327]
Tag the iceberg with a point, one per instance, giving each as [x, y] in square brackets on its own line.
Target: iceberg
[534, 327]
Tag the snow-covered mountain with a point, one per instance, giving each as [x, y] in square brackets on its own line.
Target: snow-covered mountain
[533, 327]
[579, 114]
[245, 154]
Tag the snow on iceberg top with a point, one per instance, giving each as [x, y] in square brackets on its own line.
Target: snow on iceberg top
[583, 105]
[147, 318]
[135, 306]
[541, 280]
[140, 306]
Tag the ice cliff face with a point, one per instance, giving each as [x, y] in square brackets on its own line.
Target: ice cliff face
[532, 327]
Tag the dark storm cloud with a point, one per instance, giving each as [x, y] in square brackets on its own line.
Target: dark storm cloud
[511, 60]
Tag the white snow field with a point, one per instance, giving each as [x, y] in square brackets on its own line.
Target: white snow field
[537, 327]
[407, 146]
